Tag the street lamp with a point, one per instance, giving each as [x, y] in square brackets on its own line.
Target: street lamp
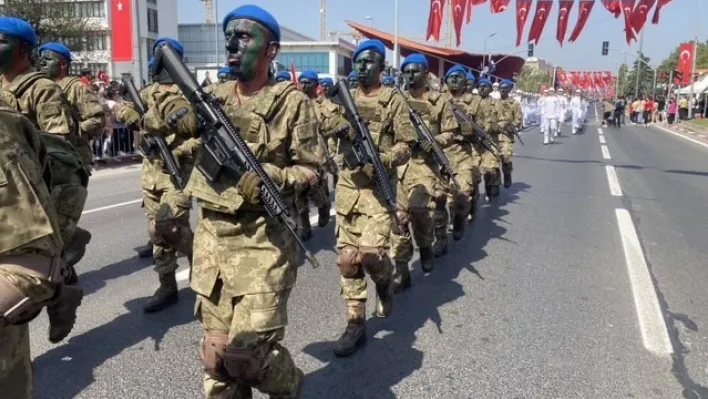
[371, 20]
[484, 53]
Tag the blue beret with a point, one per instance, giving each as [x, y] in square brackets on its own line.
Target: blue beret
[484, 81]
[19, 29]
[309, 74]
[224, 71]
[372, 44]
[58, 48]
[256, 14]
[470, 76]
[172, 42]
[456, 68]
[416, 58]
[283, 75]
[352, 75]
[506, 82]
[327, 81]
[388, 79]
[151, 63]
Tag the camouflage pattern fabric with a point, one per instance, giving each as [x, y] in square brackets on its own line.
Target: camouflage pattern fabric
[88, 114]
[511, 112]
[15, 362]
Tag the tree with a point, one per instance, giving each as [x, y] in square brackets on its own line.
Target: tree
[671, 62]
[622, 79]
[531, 79]
[646, 79]
[53, 20]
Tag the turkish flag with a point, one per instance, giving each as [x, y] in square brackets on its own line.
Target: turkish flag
[583, 14]
[565, 7]
[435, 20]
[607, 78]
[293, 74]
[522, 15]
[627, 7]
[458, 16]
[122, 30]
[655, 19]
[685, 62]
[543, 11]
[640, 14]
[499, 6]
[613, 6]
[471, 3]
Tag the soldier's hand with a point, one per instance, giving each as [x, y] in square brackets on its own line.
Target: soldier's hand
[249, 186]
[174, 118]
[368, 170]
[426, 146]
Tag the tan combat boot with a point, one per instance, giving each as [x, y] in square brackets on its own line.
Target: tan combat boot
[402, 278]
[355, 334]
[62, 312]
[165, 296]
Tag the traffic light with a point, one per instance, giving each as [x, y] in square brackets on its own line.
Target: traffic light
[678, 76]
[605, 48]
[530, 52]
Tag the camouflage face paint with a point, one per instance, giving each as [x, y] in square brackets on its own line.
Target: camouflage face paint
[246, 43]
[309, 86]
[456, 82]
[415, 75]
[504, 91]
[8, 47]
[368, 68]
[50, 63]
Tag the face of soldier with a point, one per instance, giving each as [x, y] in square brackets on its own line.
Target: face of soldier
[505, 90]
[9, 47]
[327, 88]
[368, 66]
[309, 86]
[223, 77]
[249, 47]
[484, 90]
[352, 82]
[456, 82]
[51, 63]
[470, 85]
[415, 75]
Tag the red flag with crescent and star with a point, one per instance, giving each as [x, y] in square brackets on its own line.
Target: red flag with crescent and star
[685, 62]
[563, 13]
[499, 6]
[585, 7]
[122, 30]
[640, 14]
[522, 15]
[662, 3]
[627, 8]
[435, 20]
[470, 4]
[613, 6]
[458, 17]
[543, 11]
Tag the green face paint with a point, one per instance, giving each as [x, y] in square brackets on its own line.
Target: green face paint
[415, 75]
[50, 63]
[368, 68]
[246, 43]
[456, 82]
[8, 45]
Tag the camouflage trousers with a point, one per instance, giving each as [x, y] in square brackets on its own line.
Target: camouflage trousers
[490, 168]
[506, 147]
[254, 322]
[319, 195]
[463, 164]
[423, 198]
[167, 209]
[69, 199]
[365, 233]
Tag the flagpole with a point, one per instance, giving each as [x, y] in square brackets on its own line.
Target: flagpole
[693, 67]
[395, 36]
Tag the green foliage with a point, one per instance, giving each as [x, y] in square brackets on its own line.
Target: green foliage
[669, 64]
[646, 79]
[531, 79]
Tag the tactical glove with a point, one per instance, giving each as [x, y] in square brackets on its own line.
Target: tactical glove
[249, 186]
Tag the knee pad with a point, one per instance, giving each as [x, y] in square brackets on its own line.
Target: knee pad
[348, 261]
[247, 364]
[371, 258]
[212, 355]
[165, 232]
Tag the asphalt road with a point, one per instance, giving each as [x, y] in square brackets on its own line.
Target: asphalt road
[585, 279]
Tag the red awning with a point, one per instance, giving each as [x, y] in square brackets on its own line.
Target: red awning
[506, 65]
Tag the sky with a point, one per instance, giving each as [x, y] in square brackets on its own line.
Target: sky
[678, 23]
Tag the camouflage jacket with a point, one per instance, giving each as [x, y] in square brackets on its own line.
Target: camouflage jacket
[435, 110]
[510, 112]
[486, 113]
[87, 110]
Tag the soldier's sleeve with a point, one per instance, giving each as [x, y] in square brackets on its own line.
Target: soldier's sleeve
[331, 120]
[93, 118]
[449, 126]
[126, 113]
[52, 108]
[404, 135]
[188, 148]
[518, 115]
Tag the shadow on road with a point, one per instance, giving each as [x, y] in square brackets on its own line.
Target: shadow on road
[94, 280]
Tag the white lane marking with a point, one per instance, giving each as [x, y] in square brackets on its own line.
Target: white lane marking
[183, 275]
[605, 152]
[104, 208]
[602, 139]
[615, 188]
[651, 320]
[600, 131]
[682, 136]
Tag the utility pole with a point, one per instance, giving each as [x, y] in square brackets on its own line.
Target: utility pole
[693, 67]
[639, 64]
[323, 20]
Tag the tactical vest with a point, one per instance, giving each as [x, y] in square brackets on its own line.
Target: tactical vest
[17, 88]
[429, 109]
[86, 106]
[376, 113]
[252, 121]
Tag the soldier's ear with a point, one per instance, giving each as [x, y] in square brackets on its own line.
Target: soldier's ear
[272, 50]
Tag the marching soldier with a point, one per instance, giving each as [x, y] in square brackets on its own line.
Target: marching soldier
[486, 114]
[511, 119]
[328, 114]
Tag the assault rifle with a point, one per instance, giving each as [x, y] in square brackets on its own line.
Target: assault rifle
[510, 127]
[484, 138]
[363, 150]
[424, 135]
[224, 150]
[150, 142]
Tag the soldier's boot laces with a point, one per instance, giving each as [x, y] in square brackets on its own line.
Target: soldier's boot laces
[146, 251]
[165, 296]
[323, 215]
[354, 335]
[402, 278]
[427, 263]
[384, 299]
[305, 227]
[75, 251]
[458, 227]
[62, 312]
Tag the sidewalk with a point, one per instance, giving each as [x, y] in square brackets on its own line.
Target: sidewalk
[688, 130]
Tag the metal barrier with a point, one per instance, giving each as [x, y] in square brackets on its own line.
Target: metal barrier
[119, 142]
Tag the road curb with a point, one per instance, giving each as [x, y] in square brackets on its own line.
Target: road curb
[686, 134]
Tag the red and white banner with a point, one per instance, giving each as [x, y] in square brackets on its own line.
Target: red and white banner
[522, 15]
[584, 10]
[563, 14]
[543, 11]
[640, 14]
[613, 6]
[685, 62]
[435, 19]
[122, 30]
[470, 4]
[499, 6]
[627, 8]
[458, 17]
[662, 3]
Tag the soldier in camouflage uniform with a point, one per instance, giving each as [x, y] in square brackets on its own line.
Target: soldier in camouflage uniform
[31, 269]
[328, 115]
[319, 195]
[471, 83]
[352, 80]
[88, 113]
[167, 206]
[245, 262]
[363, 222]
[511, 120]
[486, 114]
[422, 193]
[44, 103]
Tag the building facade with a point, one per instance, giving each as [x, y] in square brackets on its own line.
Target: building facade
[538, 64]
